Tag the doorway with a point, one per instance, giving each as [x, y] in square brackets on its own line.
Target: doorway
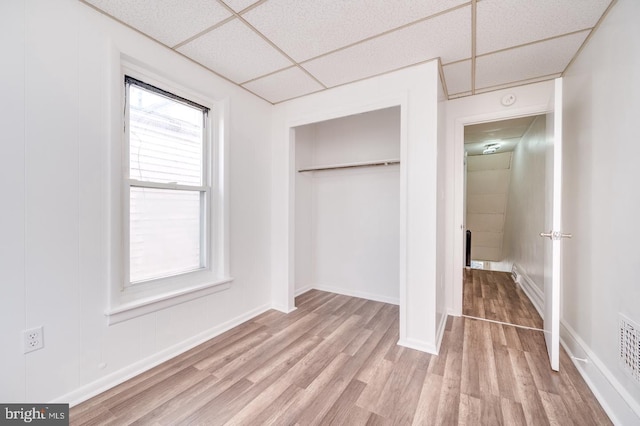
[504, 201]
[550, 104]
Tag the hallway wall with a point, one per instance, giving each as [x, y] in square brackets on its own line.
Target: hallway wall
[526, 207]
[487, 188]
[602, 204]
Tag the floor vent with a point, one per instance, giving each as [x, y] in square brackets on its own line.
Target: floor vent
[629, 344]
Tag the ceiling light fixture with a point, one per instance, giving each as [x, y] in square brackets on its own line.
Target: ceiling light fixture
[491, 148]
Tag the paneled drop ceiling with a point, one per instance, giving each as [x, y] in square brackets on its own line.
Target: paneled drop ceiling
[283, 49]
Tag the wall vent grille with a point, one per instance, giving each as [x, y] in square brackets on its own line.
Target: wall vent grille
[629, 345]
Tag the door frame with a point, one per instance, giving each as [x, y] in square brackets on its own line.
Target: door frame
[459, 216]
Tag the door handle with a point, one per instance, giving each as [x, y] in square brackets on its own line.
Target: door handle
[555, 235]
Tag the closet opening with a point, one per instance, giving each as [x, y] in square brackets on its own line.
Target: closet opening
[347, 205]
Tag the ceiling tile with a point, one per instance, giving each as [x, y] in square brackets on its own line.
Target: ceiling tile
[506, 23]
[446, 36]
[518, 83]
[458, 77]
[283, 85]
[527, 62]
[321, 26]
[239, 5]
[168, 21]
[236, 52]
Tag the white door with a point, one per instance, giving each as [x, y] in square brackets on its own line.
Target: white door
[552, 232]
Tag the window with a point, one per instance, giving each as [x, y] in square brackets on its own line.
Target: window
[167, 211]
[167, 178]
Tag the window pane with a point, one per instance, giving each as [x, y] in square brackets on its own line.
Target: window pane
[164, 232]
[165, 139]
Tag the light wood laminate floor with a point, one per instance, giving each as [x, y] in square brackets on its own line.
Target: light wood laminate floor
[334, 361]
[493, 295]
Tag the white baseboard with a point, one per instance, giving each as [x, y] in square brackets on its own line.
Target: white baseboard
[360, 294]
[283, 309]
[427, 347]
[107, 382]
[529, 287]
[619, 405]
[419, 346]
[303, 290]
[440, 333]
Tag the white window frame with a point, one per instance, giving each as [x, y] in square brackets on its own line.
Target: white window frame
[204, 189]
[129, 300]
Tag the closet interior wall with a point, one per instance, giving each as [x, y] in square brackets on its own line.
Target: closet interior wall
[347, 220]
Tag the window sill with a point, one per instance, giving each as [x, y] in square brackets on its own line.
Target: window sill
[129, 310]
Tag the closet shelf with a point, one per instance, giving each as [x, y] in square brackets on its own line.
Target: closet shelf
[351, 165]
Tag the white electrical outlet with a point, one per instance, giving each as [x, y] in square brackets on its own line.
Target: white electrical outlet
[33, 339]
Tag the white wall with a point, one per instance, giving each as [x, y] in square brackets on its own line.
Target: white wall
[54, 257]
[488, 178]
[12, 220]
[441, 214]
[356, 232]
[370, 136]
[305, 213]
[526, 206]
[415, 89]
[530, 100]
[602, 205]
[347, 221]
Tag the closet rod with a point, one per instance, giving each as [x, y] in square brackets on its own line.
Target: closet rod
[351, 166]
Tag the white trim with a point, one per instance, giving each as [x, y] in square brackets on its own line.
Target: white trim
[220, 181]
[356, 293]
[209, 182]
[163, 292]
[284, 309]
[418, 346]
[533, 292]
[147, 305]
[107, 382]
[404, 213]
[303, 290]
[158, 185]
[619, 405]
[342, 111]
[440, 332]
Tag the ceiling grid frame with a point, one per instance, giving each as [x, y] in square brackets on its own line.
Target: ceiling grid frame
[575, 14]
[244, 21]
[474, 30]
